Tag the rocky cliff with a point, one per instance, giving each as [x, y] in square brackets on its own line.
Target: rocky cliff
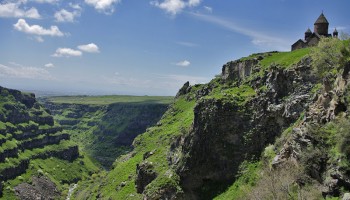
[272, 126]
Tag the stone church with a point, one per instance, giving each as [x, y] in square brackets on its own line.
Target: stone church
[312, 38]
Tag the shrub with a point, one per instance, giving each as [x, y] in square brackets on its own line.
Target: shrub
[325, 57]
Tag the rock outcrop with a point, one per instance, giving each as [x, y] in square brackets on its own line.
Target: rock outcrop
[145, 175]
[41, 188]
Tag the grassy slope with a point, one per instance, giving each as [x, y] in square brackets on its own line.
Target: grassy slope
[284, 59]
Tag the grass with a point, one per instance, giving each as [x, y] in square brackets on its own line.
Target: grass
[9, 144]
[109, 99]
[285, 59]
[238, 94]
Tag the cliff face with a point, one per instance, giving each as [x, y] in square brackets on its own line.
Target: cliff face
[228, 130]
[29, 136]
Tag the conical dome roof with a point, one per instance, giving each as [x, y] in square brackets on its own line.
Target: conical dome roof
[308, 31]
[335, 30]
[321, 20]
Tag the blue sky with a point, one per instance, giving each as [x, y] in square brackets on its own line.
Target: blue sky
[144, 47]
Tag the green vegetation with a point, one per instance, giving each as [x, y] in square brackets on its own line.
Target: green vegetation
[285, 59]
[330, 56]
[240, 94]
[111, 99]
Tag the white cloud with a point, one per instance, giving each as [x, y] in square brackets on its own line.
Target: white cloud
[49, 65]
[262, 40]
[22, 26]
[67, 52]
[75, 6]
[183, 63]
[174, 7]
[19, 71]
[90, 48]
[65, 16]
[106, 6]
[11, 9]
[208, 9]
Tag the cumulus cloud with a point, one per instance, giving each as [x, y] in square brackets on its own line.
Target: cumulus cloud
[106, 6]
[90, 48]
[67, 52]
[66, 16]
[12, 9]
[49, 65]
[174, 7]
[183, 63]
[19, 71]
[22, 26]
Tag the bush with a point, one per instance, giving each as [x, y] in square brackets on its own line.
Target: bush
[282, 182]
[325, 57]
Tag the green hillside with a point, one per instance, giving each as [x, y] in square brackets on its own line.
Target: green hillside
[34, 145]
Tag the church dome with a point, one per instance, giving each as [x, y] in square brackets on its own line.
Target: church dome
[321, 20]
[321, 25]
